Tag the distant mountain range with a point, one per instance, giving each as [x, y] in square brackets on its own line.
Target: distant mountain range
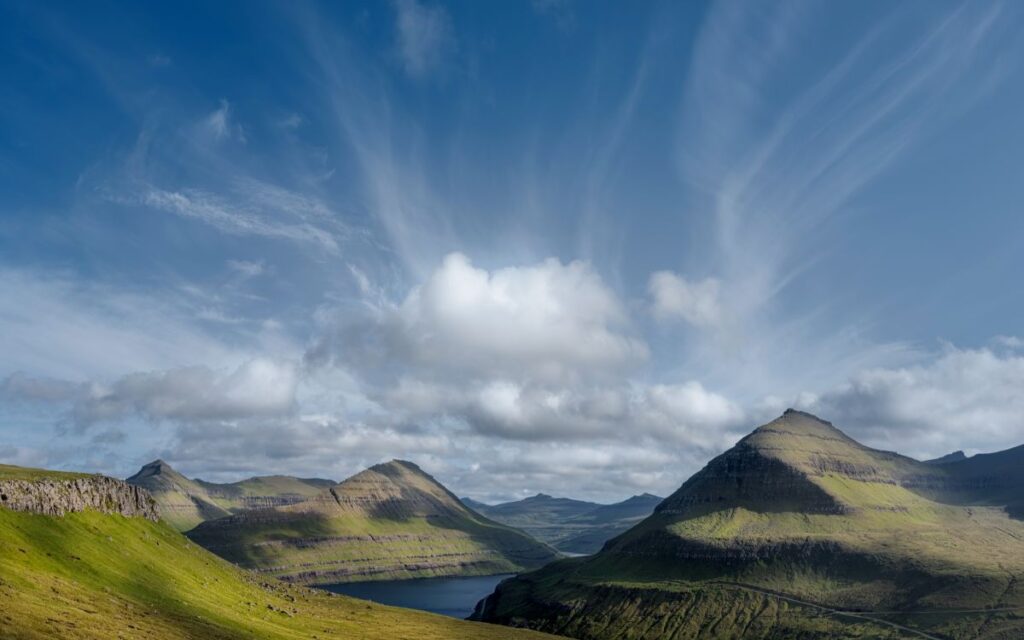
[390, 521]
[572, 526]
[184, 503]
[799, 531]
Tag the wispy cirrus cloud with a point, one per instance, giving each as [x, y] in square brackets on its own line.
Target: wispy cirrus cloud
[779, 162]
[424, 35]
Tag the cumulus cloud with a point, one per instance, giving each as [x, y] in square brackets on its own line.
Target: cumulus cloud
[549, 318]
[961, 399]
[547, 321]
[676, 298]
[533, 352]
[424, 34]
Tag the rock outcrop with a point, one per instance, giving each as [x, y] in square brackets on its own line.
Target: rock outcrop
[53, 497]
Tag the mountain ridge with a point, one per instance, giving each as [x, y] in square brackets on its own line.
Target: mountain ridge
[392, 520]
[186, 502]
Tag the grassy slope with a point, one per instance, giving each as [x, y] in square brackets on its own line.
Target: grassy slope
[833, 524]
[389, 522]
[89, 575]
[11, 472]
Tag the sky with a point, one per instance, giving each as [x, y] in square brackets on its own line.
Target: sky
[554, 246]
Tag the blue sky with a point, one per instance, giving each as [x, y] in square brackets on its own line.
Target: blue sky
[535, 246]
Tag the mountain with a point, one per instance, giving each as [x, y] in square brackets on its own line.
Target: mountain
[387, 522]
[956, 456]
[799, 531]
[475, 505]
[605, 522]
[542, 516]
[107, 569]
[184, 503]
[994, 479]
[572, 526]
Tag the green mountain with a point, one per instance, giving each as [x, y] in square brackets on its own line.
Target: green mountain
[95, 574]
[956, 456]
[799, 532]
[387, 522]
[592, 529]
[572, 526]
[994, 479]
[184, 503]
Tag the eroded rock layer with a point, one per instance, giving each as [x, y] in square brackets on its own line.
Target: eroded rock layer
[54, 497]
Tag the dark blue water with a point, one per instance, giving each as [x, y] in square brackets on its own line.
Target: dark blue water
[454, 597]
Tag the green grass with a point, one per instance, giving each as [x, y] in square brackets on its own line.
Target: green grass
[11, 472]
[90, 575]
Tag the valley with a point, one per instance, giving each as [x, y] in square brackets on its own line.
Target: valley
[571, 526]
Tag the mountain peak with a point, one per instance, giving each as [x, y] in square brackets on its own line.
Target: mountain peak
[956, 456]
[794, 424]
[155, 468]
[792, 464]
[396, 465]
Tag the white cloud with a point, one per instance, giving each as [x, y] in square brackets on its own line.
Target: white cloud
[247, 268]
[424, 36]
[677, 298]
[219, 124]
[779, 153]
[60, 327]
[550, 319]
[240, 217]
[533, 352]
[961, 399]
[257, 388]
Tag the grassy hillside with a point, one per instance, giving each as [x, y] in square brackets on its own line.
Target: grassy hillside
[184, 502]
[92, 575]
[11, 472]
[390, 521]
[572, 526]
[798, 531]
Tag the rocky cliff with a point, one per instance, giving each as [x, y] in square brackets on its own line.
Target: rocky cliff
[56, 497]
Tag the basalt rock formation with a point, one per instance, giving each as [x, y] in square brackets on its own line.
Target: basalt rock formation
[799, 531]
[389, 521]
[57, 496]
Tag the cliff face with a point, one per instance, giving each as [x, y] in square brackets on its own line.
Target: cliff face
[58, 497]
